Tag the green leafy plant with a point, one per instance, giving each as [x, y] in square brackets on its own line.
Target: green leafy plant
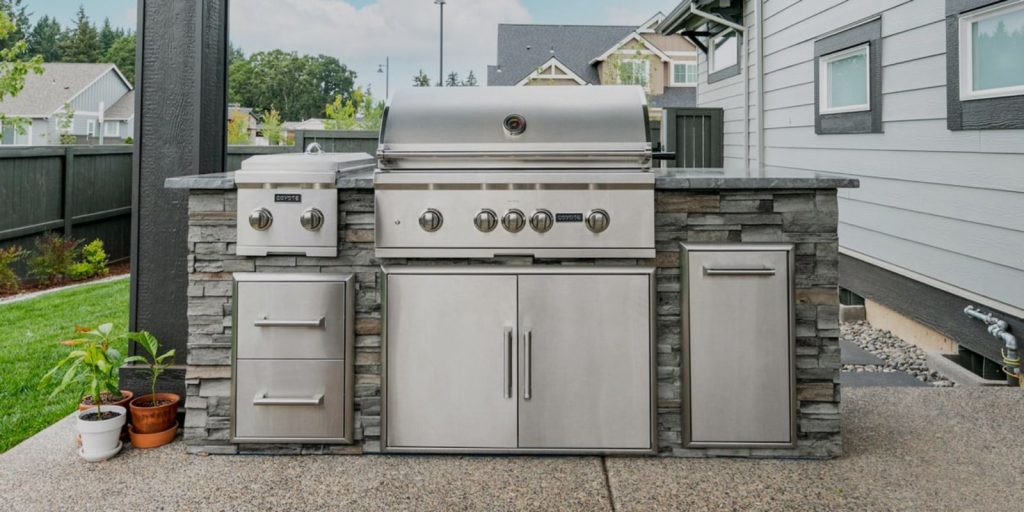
[361, 112]
[157, 363]
[92, 366]
[272, 126]
[9, 281]
[56, 255]
[14, 67]
[238, 128]
[65, 120]
[129, 141]
[93, 262]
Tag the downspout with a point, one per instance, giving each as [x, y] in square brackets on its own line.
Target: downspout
[999, 329]
[759, 27]
[744, 62]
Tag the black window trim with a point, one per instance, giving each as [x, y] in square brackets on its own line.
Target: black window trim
[866, 32]
[1001, 113]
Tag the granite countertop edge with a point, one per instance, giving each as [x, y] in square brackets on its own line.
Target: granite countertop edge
[364, 180]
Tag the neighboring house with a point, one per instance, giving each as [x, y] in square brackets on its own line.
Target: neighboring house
[252, 124]
[289, 128]
[923, 101]
[100, 96]
[665, 65]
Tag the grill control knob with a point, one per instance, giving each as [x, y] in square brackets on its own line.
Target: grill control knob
[541, 221]
[431, 220]
[486, 220]
[260, 219]
[598, 220]
[312, 219]
[514, 221]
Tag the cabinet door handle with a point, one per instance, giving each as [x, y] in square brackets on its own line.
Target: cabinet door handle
[263, 399]
[266, 322]
[506, 389]
[711, 271]
[528, 388]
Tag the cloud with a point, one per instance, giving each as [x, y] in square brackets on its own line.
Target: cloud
[361, 37]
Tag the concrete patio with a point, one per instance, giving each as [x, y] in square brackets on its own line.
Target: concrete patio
[906, 449]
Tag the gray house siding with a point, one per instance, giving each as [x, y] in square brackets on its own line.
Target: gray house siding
[107, 89]
[943, 204]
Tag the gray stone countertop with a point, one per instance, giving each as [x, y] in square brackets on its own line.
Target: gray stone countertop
[666, 179]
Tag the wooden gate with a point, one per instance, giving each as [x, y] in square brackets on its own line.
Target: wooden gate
[694, 135]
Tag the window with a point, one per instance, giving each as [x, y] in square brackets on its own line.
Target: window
[12, 136]
[845, 81]
[684, 73]
[848, 80]
[112, 128]
[634, 72]
[90, 127]
[724, 52]
[992, 52]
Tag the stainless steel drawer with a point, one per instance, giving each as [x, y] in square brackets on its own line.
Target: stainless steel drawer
[291, 401]
[297, 318]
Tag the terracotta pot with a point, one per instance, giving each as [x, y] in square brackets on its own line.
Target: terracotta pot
[126, 396]
[153, 440]
[151, 420]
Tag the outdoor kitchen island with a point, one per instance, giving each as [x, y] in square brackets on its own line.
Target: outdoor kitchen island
[698, 214]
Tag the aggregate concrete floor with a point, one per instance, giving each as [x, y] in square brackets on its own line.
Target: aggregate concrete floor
[905, 449]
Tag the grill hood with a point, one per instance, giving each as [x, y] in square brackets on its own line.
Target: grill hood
[466, 128]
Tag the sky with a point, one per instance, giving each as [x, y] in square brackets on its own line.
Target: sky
[362, 33]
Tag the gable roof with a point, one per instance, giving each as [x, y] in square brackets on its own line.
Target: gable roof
[522, 49]
[122, 109]
[545, 72]
[633, 36]
[60, 83]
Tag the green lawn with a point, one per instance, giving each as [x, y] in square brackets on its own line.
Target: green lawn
[29, 334]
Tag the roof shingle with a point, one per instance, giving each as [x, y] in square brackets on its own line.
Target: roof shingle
[45, 94]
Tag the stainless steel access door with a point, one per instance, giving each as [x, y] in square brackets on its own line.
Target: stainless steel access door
[450, 364]
[737, 346]
[585, 361]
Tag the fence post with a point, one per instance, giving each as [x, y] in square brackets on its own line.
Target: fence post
[69, 183]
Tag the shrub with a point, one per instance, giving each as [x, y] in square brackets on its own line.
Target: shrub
[56, 255]
[93, 262]
[9, 281]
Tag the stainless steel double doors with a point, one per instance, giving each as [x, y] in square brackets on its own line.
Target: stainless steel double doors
[518, 361]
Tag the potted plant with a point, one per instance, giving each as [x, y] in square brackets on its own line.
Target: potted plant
[93, 366]
[154, 416]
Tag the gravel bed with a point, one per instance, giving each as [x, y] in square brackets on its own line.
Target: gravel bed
[897, 354]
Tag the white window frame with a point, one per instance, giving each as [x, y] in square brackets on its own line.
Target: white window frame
[713, 47]
[966, 44]
[823, 80]
[90, 127]
[14, 135]
[107, 132]
[646, 72]
[672, 78]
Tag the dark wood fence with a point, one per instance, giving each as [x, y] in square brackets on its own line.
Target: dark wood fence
[82, 192]
[85, 192]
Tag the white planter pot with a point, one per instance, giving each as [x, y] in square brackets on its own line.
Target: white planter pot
[101, 439]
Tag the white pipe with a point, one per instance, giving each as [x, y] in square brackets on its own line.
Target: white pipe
[759, 19]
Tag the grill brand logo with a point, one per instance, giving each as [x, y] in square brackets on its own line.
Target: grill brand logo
[287, 198]
[568, 217]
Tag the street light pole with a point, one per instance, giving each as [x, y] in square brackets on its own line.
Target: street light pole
[386, 69]
[440, 71]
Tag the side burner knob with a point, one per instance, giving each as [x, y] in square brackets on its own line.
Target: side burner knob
[486, 220]
[598, 221]
[260, 219]
[431, 220]
[541, 221]
[312, 219]
[514, 221]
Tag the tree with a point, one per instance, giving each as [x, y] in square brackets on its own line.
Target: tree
[421, 80]
[18, 15]
[44, 40]
[122, 54]
[65, 119]
[14, 66]
[470, 80]
[453, 80]
[361, 112]
[108, 36]
[81, 43]
[298, 86]
[272, 126]
[238, 128]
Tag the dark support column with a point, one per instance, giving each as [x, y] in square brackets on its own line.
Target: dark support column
[180, 110]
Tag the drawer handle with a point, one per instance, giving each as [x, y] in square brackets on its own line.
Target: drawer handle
[266, 322]
[739, 271]
[528, 388]
[262, 399]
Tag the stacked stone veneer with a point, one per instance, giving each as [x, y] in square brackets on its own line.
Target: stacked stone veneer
[806, 218]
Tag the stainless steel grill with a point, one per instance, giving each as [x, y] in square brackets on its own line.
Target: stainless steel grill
[539, 171]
